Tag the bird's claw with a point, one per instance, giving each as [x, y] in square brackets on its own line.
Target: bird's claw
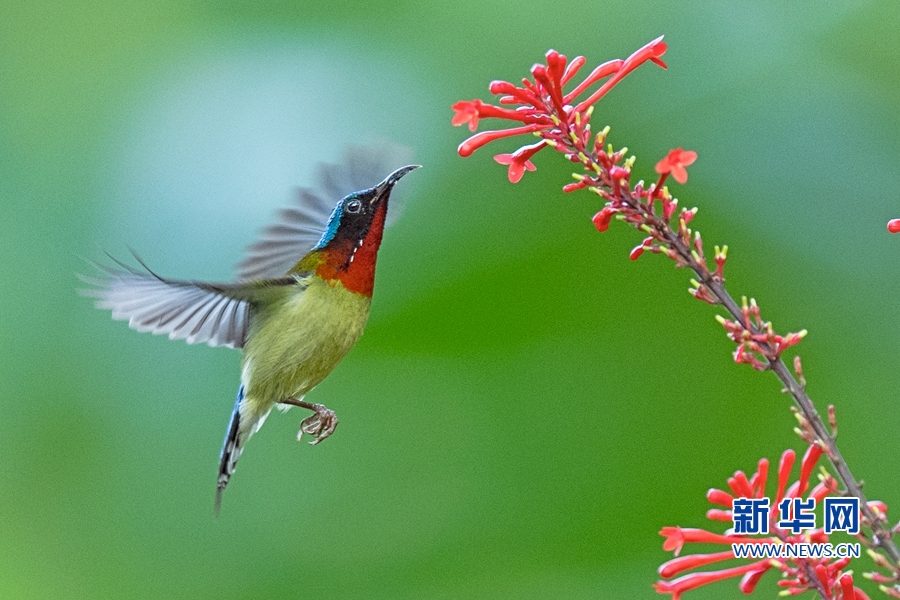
[321, 424]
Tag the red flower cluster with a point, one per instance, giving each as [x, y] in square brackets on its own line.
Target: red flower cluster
[824, 575]
[757, 349]
[544, 108]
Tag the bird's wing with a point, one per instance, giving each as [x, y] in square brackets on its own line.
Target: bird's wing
[197, 312]
[300, 226]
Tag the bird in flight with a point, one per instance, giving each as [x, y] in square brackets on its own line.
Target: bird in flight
[300, 303]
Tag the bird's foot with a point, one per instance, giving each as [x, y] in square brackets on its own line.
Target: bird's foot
[320, 425]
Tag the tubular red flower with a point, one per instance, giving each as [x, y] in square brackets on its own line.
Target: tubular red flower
[669, 207]
[519, 160]
[604, 70]
[716, 514]
[578, 185]
[516, 167]
[750, 579]
[822, 574]
[784, 470]
[677, 587]
[652, 52]
[692, 561]
[703, 293]
[522, 95]
[485, 137]
[813, 453]
[572, 69]
[720, 264]
[551, 86]
[740, 485]
[471, 112]
[846, 582]
[759, 479]
[676, 537]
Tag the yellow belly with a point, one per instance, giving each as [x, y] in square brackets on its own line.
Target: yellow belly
[296, 342]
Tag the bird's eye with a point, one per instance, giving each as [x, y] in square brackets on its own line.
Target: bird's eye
[354, 206]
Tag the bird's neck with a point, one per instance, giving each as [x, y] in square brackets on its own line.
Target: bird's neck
[349, 261]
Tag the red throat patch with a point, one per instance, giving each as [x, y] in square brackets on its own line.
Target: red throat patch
[352, 265]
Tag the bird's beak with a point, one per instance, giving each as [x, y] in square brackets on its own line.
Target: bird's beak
[383, 188]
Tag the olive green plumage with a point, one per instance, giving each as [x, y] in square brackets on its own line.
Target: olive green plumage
[295, 341]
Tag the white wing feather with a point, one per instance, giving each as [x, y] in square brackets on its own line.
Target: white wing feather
[214, 314]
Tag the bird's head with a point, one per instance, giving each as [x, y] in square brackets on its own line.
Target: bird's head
[348, 248]
[357, 213]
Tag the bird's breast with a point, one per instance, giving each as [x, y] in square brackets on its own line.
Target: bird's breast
[295, 343]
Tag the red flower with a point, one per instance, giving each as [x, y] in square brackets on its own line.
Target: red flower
[688, 582]
[466, 112]
[520, 161]
[516, 167]
[675, 163]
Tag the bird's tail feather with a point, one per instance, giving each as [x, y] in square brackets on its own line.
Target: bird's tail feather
[231, 449]
[240, 428]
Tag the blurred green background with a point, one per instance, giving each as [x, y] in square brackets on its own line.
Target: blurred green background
[528, 407]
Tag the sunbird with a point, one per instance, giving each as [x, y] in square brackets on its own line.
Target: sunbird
[300, 303]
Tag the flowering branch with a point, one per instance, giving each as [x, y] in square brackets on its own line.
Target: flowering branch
[541, 107]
